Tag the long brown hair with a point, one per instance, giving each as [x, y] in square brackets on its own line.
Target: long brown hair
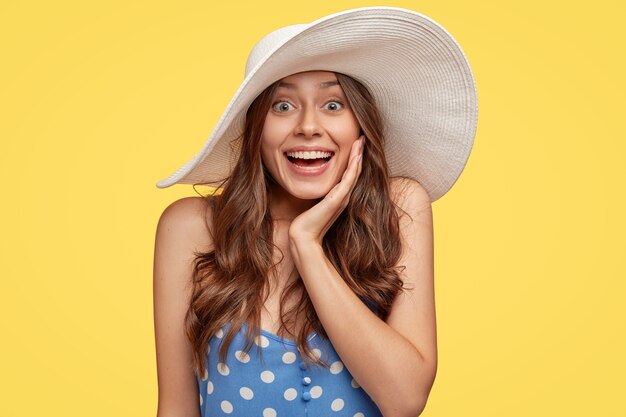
[230, 282]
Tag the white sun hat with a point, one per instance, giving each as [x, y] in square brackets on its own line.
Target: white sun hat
[418, 74]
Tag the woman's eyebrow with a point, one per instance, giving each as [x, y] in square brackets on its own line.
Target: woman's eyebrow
[325, 84]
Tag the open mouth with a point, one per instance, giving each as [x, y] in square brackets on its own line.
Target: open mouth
[309, 162]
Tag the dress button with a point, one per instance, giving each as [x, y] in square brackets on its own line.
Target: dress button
[306, 380]
[302, 366]
[306, 396]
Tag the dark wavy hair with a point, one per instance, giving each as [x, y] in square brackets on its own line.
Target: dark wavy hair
[230, 282]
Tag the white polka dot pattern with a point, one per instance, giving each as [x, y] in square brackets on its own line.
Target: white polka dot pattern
[227, 407]
[269, 412]
[316, 391]
[282, 385]
[267, 377]
[223, 369]
[261, 341]
[289, 358]
[336, 367]
[246, 393]
[337, 405]
[242, 357]
[290, 394]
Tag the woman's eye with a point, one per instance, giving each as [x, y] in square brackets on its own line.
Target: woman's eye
[334, 103]
[284, 106]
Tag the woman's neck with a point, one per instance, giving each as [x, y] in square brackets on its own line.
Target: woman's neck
[286, 207]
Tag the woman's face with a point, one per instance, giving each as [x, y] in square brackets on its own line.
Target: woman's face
[309, 112]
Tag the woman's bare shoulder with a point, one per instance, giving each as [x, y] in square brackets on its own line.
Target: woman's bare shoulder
[188, 219]
[407, 191]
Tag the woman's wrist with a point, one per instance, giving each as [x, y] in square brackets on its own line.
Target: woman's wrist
[302, 247]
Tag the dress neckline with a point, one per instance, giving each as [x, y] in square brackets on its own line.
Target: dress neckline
[281, 339]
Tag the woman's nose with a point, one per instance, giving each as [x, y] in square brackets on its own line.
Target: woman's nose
[309, 122]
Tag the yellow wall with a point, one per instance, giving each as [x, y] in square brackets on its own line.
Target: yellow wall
[102, 99]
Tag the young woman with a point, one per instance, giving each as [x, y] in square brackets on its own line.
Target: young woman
[306, 287]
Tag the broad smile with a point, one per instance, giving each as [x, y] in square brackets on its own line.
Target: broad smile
[308, 163]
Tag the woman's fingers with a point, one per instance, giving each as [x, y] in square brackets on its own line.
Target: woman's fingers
[350, 175]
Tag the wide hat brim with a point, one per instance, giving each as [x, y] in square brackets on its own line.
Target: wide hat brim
[418, 74]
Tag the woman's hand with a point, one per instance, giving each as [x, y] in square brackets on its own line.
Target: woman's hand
[312, 225]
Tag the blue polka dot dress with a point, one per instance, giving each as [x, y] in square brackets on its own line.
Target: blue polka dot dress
[282, 385]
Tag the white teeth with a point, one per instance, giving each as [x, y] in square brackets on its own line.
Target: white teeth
[309, 155]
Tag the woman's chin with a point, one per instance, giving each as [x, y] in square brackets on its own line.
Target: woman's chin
[309, 194]
[307, 189]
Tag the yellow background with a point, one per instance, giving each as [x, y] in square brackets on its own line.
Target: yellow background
[100, 100]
